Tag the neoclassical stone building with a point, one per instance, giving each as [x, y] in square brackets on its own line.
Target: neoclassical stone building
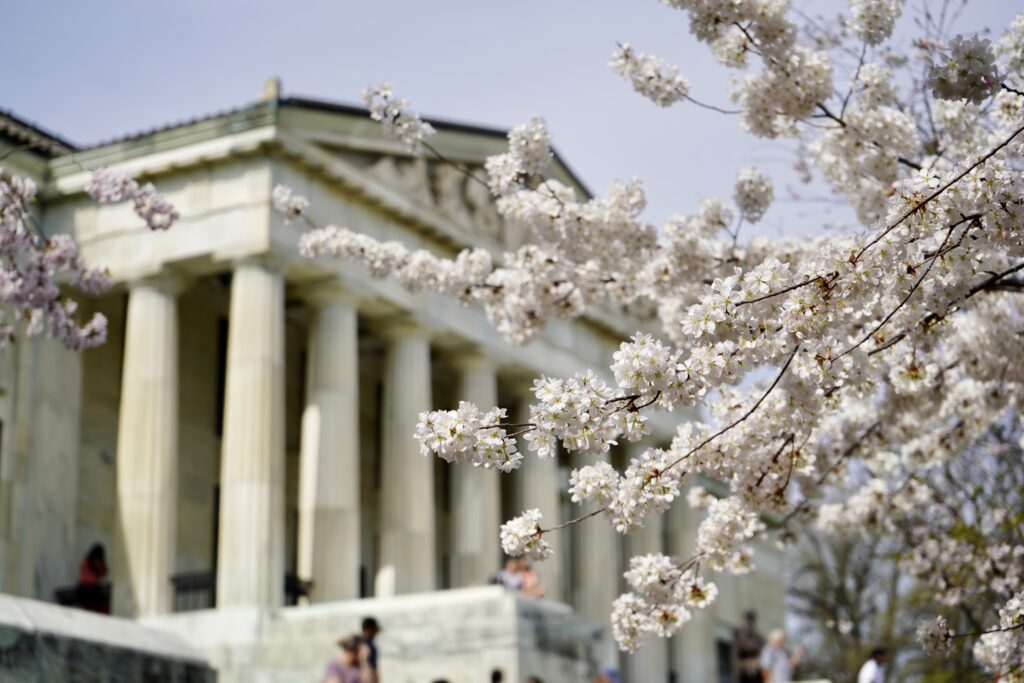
[242, 442]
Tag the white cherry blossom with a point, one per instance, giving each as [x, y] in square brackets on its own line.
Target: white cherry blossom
[842, 374]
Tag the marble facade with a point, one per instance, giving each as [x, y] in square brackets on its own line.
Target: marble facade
[250, 415]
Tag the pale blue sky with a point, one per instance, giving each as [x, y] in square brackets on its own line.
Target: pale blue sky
[99, 69]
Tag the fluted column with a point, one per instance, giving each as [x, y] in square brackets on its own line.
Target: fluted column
[328, 543]
[408, 561]
[597, 566]
[650, 664]
[537, 486]
[147, 449]
[250, 554]
[476, 494]
[691, 645]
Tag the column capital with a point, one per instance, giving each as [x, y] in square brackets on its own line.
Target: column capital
[165, 281]
[470, 358]
[320, 293]
[400, 326]
[270, 261]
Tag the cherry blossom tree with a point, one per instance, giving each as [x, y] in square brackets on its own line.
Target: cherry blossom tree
[891, 349]
[888, 350]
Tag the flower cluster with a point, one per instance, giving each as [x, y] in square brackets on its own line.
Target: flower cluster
[32, 269]
[595, 483]
[651, 76]
[873, 20]
[968, 72]
[468, 435]
[522, 535]
[662, 597]
[530, 146]
[287, 203]
[1000, 650]
[581, 413]
[646, 367]
[108, 186]
[728, 523]
[528, 155]
[754, 194]
[1010, 48]
[393, 113]
[935, 636]
[648, 486]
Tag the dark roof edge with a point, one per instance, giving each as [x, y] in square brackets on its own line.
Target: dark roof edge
[355, 110]
[439, 123]
[22, 129]
[63, 146]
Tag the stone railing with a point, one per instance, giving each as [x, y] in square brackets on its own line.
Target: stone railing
[456, 635]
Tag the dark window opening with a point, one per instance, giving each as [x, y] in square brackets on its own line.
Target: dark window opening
[723, 655]
[222, 370]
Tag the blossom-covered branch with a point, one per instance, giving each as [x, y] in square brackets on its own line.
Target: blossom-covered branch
[892, 347]
[33, 267]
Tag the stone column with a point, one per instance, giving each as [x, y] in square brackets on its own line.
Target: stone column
[250, 553]
[408, 559]
[599, 549]
[652, 662]
[328, 544]
[537, 486]
[147, 449]
[693, 646]
[476, 494]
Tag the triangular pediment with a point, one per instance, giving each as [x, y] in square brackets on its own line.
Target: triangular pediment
[436, 186]
[452, 188]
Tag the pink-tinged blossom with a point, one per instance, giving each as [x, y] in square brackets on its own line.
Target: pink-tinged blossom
[32, 270]
[108, 186]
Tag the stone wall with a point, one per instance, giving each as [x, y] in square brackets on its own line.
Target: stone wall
[43, 469]
[42, 643]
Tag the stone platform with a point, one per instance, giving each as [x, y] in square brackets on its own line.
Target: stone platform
[44, 643]
[456, 636]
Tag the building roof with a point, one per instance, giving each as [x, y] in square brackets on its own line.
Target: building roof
[33, 137]
[327, 106]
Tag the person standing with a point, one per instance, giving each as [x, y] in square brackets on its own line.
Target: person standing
[370, 629]
[776, 663]
[749, 644]
[873, 670]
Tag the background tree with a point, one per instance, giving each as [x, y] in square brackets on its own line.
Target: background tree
[853, 590]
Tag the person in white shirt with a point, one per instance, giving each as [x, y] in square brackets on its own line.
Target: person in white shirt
[873, 670]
